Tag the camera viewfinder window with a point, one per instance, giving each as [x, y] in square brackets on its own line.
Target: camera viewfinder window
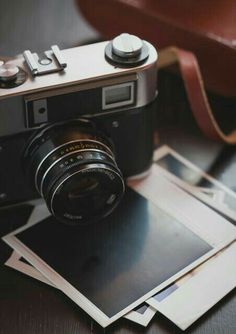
[118, 96]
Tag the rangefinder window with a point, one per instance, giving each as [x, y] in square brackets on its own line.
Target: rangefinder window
[118, 95]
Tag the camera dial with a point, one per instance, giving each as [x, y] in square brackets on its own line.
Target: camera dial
[8, 72]
[72, 165]
[126, 50]
[11, 76]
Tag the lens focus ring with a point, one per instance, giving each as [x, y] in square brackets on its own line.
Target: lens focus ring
[72, 160]
[64, 151]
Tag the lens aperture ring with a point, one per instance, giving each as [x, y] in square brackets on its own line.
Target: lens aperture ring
[74, 160]
[81, 156]
[63, 150]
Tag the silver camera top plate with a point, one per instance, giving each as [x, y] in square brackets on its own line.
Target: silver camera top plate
[84, 64]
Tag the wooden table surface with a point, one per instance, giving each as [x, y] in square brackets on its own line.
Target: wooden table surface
[30, 307]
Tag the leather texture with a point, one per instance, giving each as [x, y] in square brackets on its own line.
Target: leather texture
[193, 82]
[207, 28]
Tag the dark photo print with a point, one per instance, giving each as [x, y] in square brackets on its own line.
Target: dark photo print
[118, 261]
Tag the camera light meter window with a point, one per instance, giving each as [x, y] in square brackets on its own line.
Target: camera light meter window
[118, 95]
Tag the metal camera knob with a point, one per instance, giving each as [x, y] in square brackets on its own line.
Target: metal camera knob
[127, 46]
[127, 50]
[8, 72]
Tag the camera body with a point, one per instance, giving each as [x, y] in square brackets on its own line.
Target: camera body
[106, 83]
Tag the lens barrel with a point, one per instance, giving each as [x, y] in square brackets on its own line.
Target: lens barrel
[72, 166]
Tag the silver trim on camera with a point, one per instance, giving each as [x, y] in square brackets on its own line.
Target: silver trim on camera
[40, 112]
[60, 146]
[87, 69]
[52, 61]
[64, 156]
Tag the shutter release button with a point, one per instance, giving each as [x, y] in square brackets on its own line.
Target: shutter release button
[127, 46]
[126, 50]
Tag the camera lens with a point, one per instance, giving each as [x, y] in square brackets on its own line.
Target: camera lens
[83, 187]
[73, 167]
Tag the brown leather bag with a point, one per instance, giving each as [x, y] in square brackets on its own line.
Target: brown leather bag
[206, 29]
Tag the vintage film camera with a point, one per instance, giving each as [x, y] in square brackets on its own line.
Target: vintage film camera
[74, 122]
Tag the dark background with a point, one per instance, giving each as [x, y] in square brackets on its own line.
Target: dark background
[31, 307]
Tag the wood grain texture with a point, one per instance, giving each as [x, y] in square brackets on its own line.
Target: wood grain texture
[30, 307]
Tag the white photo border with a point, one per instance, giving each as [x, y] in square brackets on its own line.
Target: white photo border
[226, 230]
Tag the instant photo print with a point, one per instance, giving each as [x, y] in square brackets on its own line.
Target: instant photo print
[189, 177]
[142, 314]
[150, 238]
[196, 294]
[190, 297]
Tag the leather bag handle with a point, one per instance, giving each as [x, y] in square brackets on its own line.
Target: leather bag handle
[196, 93]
